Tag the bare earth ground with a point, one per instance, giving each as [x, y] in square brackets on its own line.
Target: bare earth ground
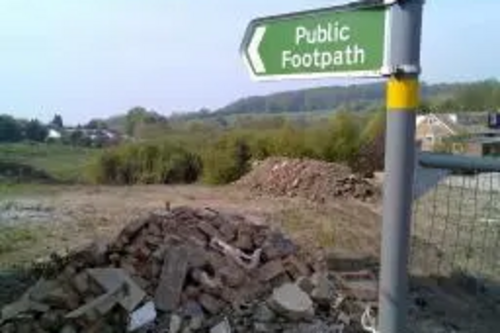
[71, 216]
[55, 219]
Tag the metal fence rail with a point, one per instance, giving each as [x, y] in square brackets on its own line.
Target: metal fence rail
[456, 221]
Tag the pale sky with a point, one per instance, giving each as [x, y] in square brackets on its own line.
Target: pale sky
[97, 58]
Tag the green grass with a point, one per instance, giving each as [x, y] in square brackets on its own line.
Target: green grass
[61, 163]
[14, 238]
[319, 228]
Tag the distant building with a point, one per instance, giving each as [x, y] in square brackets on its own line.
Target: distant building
[432, 128]
[98, 136]
[461, 133]
[476, 146]
[54, 134]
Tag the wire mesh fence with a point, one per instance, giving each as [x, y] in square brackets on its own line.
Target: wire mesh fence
[456, 221]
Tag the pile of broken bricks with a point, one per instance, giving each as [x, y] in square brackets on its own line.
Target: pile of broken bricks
[192, 270]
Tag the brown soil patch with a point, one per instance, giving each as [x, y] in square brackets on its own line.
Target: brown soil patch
[311, 179]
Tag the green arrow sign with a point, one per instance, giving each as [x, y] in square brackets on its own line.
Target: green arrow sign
[341, 41]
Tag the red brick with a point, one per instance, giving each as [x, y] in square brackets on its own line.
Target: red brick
[271, 270]
[296, 267]
[358, 275]
[192, 292]
[154, 229]
[142, 253]
[114, 258]
[216, 260]
[231, 296]
[278, 246]
[210, 303]
[208, 229]
[131, 230]
[232, 276]
[197, 238]
[153, 240]
[363, 290]
[208, 284]
[228, 231]
[258, 239]
[244, 241]
[197, 257]
[362, 285]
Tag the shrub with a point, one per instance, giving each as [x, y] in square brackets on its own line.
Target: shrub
[146, 163]
[339, 141]
[227, 160]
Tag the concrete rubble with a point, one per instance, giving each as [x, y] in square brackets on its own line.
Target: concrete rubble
[190, 270]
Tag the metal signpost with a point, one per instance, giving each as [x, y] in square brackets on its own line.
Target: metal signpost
[369, 38]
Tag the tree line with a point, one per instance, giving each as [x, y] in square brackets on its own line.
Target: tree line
[220, 155]
[450, 97]
[16, 130]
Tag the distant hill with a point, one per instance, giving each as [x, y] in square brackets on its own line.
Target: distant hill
[352, 97]
[356, 98]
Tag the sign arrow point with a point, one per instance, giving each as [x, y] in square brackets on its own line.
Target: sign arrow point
[253, 50]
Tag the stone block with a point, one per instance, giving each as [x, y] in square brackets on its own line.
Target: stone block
[81, 283]
[173, 275]
[228, 231]
[290, 301]
[112, 278]
[277, 246]
[345, 261]
[271, 270]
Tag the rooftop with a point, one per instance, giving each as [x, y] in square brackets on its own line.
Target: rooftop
[477, 139]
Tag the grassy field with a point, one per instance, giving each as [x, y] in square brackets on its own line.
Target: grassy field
[54, 163]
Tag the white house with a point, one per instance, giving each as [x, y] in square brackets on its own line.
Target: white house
[54, 134]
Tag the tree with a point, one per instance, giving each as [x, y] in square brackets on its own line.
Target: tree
[35, 131]
[342, 138]
[370, 156]
[57, 121]
[10, 129]
[425, 106]
[375, 126]
[78, 138]
[96, 124]
[134, 117]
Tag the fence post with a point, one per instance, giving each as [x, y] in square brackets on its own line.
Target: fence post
[402, 101]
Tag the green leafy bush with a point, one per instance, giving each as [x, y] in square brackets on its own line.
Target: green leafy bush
[226, 156]
[227, 160]
[146, 163]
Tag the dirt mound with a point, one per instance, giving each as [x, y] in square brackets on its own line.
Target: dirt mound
[183, 268]
[311, 179]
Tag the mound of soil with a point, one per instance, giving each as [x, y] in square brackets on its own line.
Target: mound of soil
[311, 179]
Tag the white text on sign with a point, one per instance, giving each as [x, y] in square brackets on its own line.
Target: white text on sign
[331, 33]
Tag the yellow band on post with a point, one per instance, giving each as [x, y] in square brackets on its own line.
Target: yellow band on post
[402, 94]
